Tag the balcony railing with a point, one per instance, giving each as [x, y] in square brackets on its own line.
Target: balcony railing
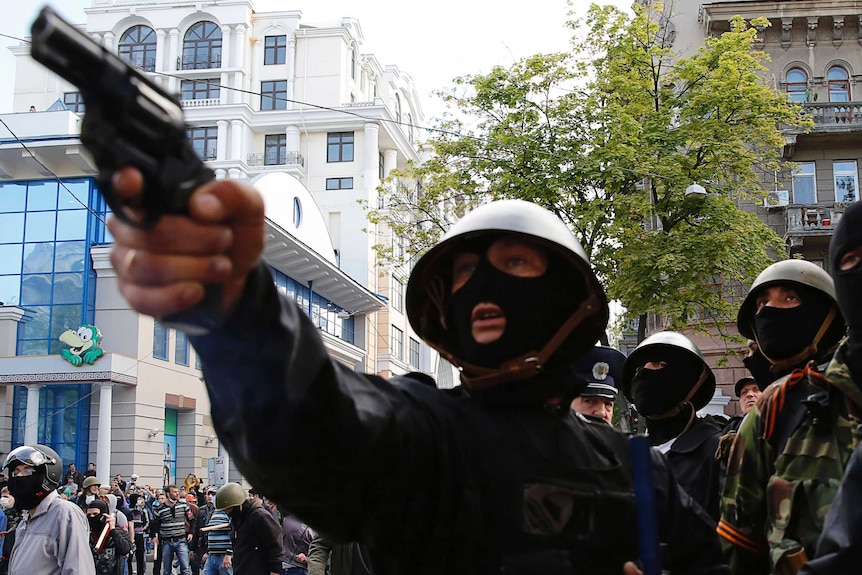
[835, 114]
[207, 154]
[200, 103]
[145, 64]
[275, 159]
[812, 220]
[199, 62]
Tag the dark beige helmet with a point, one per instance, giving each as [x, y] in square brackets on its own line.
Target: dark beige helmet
[705, 388]
[429, 283]
[228, 495]
[92, 480]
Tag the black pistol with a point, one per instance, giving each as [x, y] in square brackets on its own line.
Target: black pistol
[129, 121]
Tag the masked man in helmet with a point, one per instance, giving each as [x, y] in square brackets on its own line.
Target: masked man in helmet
[254, 534]
[51, 537]
[498, 475]
[791, 449]
[668, 380]
[840, 546]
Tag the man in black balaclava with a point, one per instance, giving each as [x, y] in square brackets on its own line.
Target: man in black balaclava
[668, 380]
[34, 475]
[108, 544]
[840, 546]
[792, 448]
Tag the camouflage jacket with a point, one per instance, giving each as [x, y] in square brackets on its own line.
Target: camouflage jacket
[785, 467]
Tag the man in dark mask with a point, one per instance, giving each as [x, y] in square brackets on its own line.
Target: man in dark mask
[668, 380]
[790, 452]
[108, 544]
[34, 475]
[495, 476]
[840, 546]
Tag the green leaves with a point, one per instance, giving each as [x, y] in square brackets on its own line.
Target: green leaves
[609, 136]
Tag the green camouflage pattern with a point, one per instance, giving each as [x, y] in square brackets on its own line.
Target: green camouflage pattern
[773, 505]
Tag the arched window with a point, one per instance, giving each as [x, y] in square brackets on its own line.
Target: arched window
[353, 60]
[202, 47]
[839, 84]
[797, 85]
[138, 47]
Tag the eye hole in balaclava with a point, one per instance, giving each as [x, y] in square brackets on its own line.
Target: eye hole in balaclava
[657, 391]
[531, 308]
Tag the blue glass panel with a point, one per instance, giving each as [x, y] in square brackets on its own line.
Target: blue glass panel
[34, 347]
[69, 256]
[72, 225]
[74, 195]
[13, 197]
[38, 325]
[65, 317]
[11, 227]
[69, 288]
[10, 259]
[38, 258]
[42, 196]
[36, 289]
[10, 289]
[40, 227]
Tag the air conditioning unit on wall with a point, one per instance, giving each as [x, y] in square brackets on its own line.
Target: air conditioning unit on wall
[777, 199]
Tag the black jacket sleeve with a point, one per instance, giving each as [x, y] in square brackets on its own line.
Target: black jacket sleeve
[268, 536]
[122, 543]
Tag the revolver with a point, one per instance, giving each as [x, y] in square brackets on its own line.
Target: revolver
[128, 121]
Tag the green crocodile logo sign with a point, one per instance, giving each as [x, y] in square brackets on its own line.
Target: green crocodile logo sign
[83, 345]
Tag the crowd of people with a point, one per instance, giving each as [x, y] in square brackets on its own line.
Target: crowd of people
[519, 469]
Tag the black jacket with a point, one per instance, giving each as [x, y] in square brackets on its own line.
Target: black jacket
[430, 482]
[692, 457]
[256, 540]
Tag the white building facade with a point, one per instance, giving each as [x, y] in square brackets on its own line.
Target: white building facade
[294, 108]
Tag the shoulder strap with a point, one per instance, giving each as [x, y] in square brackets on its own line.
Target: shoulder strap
[782, 410]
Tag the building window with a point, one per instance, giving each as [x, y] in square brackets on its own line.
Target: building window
[797, 85]
[380, 170]
[397, 294]
[138, 47]
[353, 63]
[846, 181]
[804, 184]
[273, 95]
[397, 108]
[397, 343]
[297, 212]
[202, 47]
[414, 353]
[274, 50]
[160, 341]
[169, 465]
[74, 102]
[339, 183]
[839, 84]
[339, 147]
[204, 141]
[207, 89]
[275, 150]
[181, 348]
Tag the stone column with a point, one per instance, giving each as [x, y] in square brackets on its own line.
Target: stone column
[236, 139]
[225, 93]
[109, 41]
[103, 443]
[291, 70]
[221, 142]
[31, 416]
[173, 54]
[254, 77]
[390, 161]
[160, 57]
[293, 138]
[370, 172]
[226, 46]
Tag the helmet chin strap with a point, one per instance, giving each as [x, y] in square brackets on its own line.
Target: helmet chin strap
[528, 364]
[808, 352]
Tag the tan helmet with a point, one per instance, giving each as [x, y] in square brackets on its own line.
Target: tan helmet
[228, 495]
[92, 480]
[669, 339]
[429, 284]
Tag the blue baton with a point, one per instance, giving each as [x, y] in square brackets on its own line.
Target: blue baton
[648, 539]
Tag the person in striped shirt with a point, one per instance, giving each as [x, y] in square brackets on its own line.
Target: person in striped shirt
[173, 535]
[219, 549]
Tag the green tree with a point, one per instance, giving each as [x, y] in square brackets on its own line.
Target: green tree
[609, 136]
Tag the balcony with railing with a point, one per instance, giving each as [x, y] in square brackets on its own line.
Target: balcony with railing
[835, 116]
[812, 220]
[138, 61]
[206, 154]
[200, 103]
[272, 158]
[205, 62]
